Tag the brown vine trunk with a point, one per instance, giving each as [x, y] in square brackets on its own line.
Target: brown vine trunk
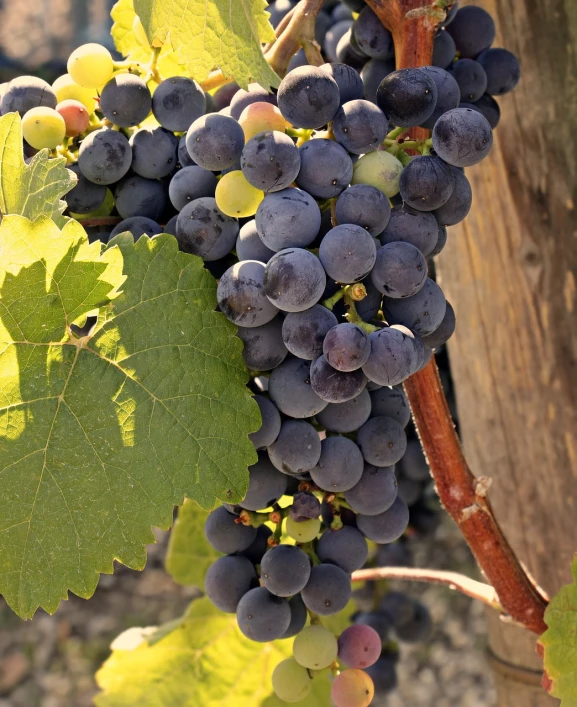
[510, 271]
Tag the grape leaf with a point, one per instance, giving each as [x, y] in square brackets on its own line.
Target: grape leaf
[35, 189]
[558, 645]
[205, 660]
[101, 436]
[131, 41]
[189, 553]
[213, 33]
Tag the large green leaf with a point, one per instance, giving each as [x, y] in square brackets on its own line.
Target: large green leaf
[204, 661]
[189, 552]
[213, 33]
[35, 189]
[100, 437]
[558, 645]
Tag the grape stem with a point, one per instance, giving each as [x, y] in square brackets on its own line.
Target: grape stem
[459, 582]
[330, 302]
[413, 24]
[352, 314]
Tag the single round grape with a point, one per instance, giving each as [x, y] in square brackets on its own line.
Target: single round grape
[371, 36]
[346, 347]
[177, 102]
[285, 570]
[104, 156]
[335, 386]
[400, 270]
[65, 88]
[348, 253]
[26, 92]
[411, 226]
[326, 168]
[422, 313]
[385, 527]
[372, 73]
[407, 97]
[346, 548]
[360, 126]
[426, 183]
[265, 486]
[90, 65]
[380, 170]
[418, 629]
[270, 426]
[86, 196]
[456, 208]
[291, 391]
[202, 229]
[487, 106]
[348, 53]
[75, 115]
[304, 332]
[264, 347]
[376, 491]
[444, 49]
[393, 357]
[441, 241]
[270, 161]
[137, 196]
[294, 279]
[340, 465]
[243, 98]
[360, 646]
[502, 69]
[225, 534]
[297, 448]
[259, 546]
[154, 152]
[305, 506]
[184, 159]
[290, 681]
[43, 128]
[333, 37]
[227, 580]
[471, 78]
[308, 97]
[462, 137]
[348, 80]
[391, 402]
[299, 616]
[346, 417]
[249, 246]
[303, 531]
[125, 100]
[352, 688]
[261, 117]
[365, 206]
[384, 676]
[192, 183]
[444, 332]
[315, 647]
[171, 226]
[382, 441]
[215, 141]
[236, 197]
[240, 293]
[473, 30]
[262, 616]
[137, 226]
[290, 218]
[328, 590]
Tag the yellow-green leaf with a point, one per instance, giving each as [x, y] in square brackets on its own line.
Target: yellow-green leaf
[208, 34]
[189, 552]
[204, 662]
[101, 436]
[559, 644]
[35, 189]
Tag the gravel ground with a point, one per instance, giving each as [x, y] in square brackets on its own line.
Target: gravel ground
[51, 660]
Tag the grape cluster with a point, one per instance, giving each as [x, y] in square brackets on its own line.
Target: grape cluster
[311, 208]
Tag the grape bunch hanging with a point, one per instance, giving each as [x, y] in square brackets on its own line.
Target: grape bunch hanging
[319, 216]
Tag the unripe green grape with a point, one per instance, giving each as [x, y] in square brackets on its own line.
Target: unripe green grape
[75, 117]
[352, 688]
[380, 170]
[43, 127]
[304, 531]
[236, 197]
[91, 65]
[290, 681]
[315, 647]
[66, 89]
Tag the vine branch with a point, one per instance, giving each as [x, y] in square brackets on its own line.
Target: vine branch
[458, 582]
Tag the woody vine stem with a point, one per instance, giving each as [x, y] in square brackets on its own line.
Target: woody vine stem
[413, 24]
